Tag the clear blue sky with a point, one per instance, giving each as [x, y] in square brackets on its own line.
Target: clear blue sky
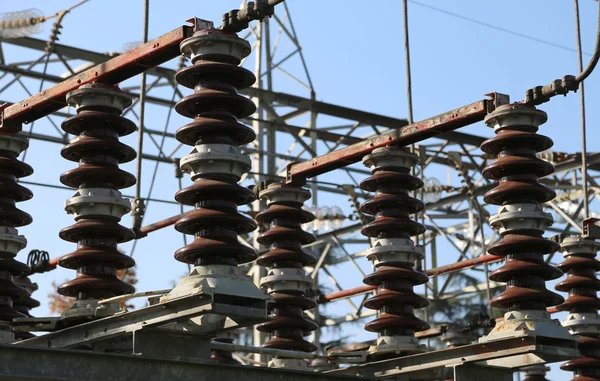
[355, 53]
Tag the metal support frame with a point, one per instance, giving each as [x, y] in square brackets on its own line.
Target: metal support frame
[113, 71]
[120, 324]
[432, 273]
[74, 365]
[306, 137]
[434, 365]
[448, 121]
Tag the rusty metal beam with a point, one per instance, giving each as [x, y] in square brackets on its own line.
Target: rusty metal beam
[113, 71]
[332, 137]
[297, 173]
[432, 273]
[279, 98]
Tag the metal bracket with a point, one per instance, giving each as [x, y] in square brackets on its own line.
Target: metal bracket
[138, 210]
[496, 100]
[507, 353]
[182, 346]
[38, 324]
[7, 125]
[591, 228]
[354, 357]
[168, 311]
[2, 107]
[199, 24]
[542, 94]
[471, 372]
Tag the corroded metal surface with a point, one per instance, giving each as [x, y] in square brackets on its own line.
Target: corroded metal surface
[113, 71]
[405, 135]
[436, 271]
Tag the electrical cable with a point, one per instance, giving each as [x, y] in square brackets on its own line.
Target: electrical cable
[497, 28]
[38, 261]
[542, 94]
[595, 55]
[162, 142]
[49, 49]
[584, 185]
[28, 22]
[137, 211]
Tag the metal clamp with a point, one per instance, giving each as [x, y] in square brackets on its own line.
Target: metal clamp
[542, 94]
[591, 228]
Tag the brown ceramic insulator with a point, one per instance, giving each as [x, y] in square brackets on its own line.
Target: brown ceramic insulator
[12, 217]
[98, 152]
[285, 237]
[25, 304]
[223, 357]
[582, 285]
[517, 170]
[392, 206]
[586, 368]
[215, 106]
[535, 377]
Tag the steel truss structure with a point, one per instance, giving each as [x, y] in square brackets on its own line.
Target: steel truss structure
[299, 137]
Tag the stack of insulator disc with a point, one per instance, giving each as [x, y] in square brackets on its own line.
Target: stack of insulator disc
[97, 205]
[11, 217]
[521, 220]
[581, 283]
[25, 304]
[220, 356]
[456, 336]
[215, 163]
[286, 281]
[394, 253]
[535, 372]
[535, 377]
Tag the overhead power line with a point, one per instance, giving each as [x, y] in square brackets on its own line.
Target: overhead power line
[497, 28]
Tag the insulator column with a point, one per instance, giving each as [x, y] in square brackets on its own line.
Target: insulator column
[97, 205]
[535, 372]
[220, 356]
[11, 169]
[581, 283]
[286, 281]
[394, 254]
[26, 303]
[216, 164]
[456, 336]
[521, 222]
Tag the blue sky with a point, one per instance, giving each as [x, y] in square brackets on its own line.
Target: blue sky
[354, 50]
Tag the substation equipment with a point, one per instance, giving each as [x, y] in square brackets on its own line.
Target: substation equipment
[182, 333]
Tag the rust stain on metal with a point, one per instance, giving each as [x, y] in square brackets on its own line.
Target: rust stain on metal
[449, 121]
[113, 71]
[434, 272]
